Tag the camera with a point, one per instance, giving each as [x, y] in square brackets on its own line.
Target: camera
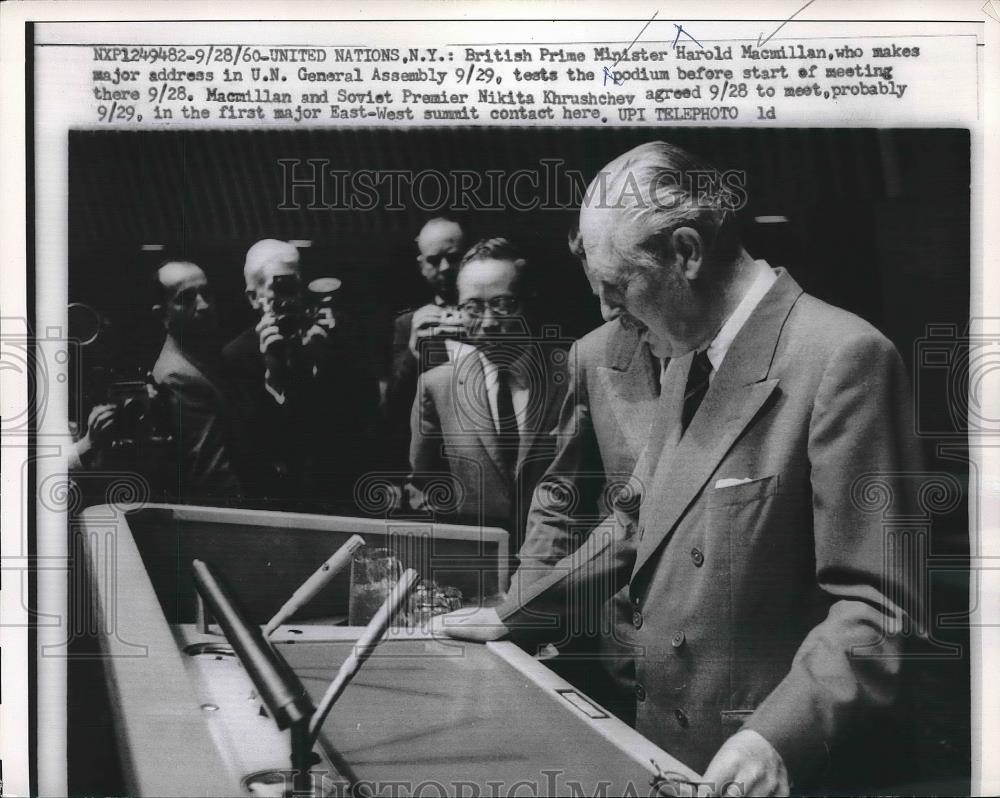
[451, 324]
[287, 305]
[296, 310]
[141, 412]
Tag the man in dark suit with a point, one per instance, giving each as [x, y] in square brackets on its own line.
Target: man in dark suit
[307, 396]
[482, 424]
[767, 600]
[426, 336]
[198, 401]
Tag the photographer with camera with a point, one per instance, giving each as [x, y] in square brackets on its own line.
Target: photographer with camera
[427, 336]
[196, 398]
[307, 396]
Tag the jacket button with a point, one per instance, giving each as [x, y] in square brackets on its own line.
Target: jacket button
[697, 557]
[681, 717]
[678, 639]
[637, 619]
[640, 693]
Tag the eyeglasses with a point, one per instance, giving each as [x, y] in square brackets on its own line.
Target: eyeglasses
[500, 305]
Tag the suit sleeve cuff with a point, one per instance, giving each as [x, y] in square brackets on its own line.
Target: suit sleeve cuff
[800, 744]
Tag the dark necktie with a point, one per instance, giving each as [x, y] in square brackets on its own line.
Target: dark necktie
[657, 372]
[506, 418]
[696, 387]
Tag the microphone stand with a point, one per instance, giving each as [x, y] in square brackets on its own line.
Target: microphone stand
[275, 681]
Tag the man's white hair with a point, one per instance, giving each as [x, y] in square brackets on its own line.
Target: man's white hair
[653, 189]
[263, 254]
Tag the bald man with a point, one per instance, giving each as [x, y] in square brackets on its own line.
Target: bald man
[187, 371]
[307, 396]
[440, 247]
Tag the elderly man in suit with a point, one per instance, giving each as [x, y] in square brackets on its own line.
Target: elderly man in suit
[198, 399]
[604, 424]
[482, 424]
[766, 599]
[613, 386]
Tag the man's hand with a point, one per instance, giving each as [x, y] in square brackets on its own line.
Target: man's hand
[479, 626]
[274, 363]
[313, 341]
[100, 426]
[747, 764]
[315, 335]
[268, 332]
[425, 323]
[100, 422]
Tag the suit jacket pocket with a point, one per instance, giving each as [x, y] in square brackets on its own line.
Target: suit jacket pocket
[743, 492]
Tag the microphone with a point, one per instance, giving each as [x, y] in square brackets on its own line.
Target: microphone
[337, 561]
[364, 647]
[276, 683]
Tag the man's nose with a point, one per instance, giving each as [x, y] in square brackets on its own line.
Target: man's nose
[609, 313]
[489, 319]
[200, 303]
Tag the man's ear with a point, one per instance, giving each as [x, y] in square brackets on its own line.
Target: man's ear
[689, 251]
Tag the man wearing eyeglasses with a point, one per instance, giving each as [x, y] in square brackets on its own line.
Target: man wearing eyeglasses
[187, 372]
[482, 424]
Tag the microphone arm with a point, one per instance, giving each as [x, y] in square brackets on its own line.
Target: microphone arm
[364, 647]
[339, 560]
[276, 683]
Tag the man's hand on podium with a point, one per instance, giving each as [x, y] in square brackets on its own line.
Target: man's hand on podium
[476, 625]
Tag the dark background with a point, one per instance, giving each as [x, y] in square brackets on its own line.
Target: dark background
[878, 222]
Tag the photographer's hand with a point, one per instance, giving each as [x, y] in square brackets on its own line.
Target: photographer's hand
[314, 341]
[270, 338]
[425, 323]
[100, 424]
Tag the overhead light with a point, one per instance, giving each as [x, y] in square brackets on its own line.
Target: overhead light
[301, 243]
[152, 247]
[771, 219]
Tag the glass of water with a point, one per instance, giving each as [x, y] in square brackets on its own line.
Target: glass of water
[374, 572]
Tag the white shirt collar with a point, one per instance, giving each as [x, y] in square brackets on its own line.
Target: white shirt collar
[727, 334]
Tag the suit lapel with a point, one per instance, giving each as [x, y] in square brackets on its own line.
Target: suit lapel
[630, 377]
[544, 420]
[737, 393]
